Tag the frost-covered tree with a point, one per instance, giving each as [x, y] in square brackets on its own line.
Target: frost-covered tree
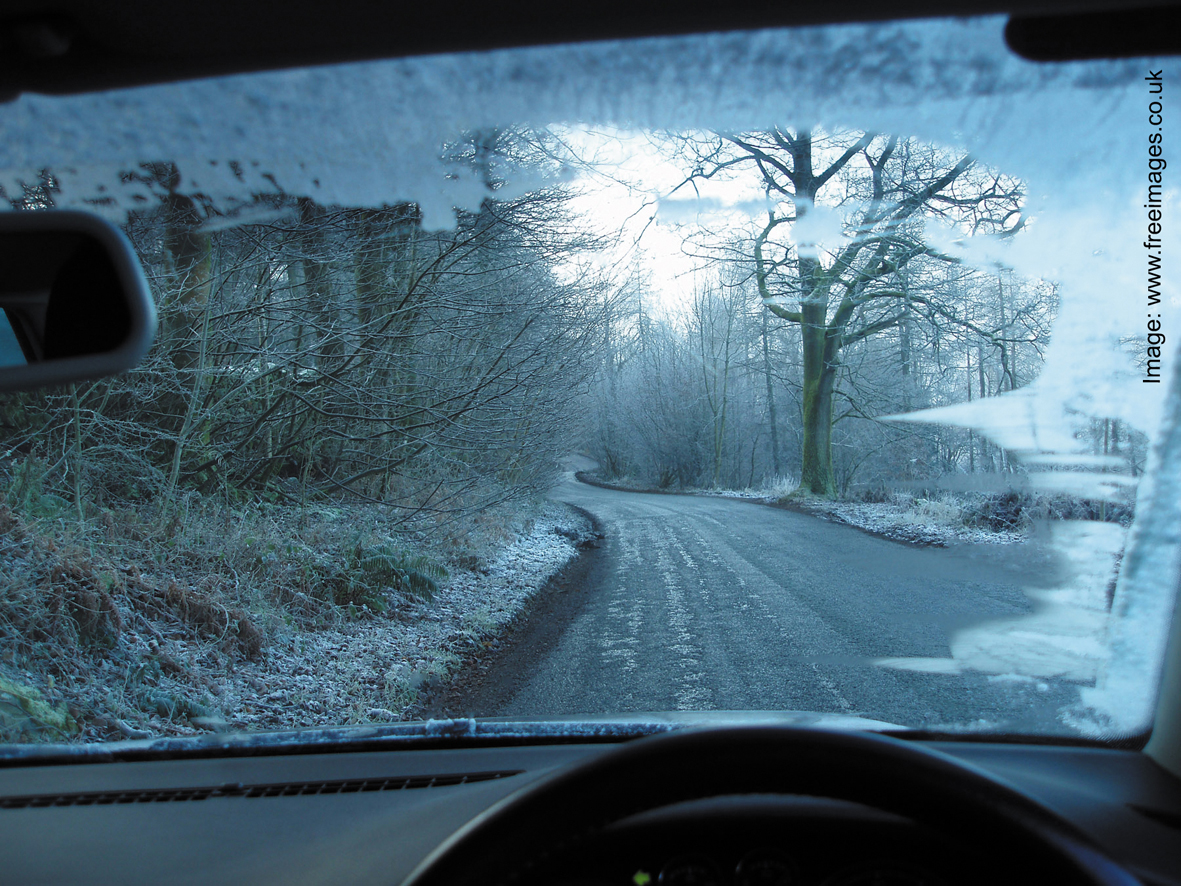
[842, 292]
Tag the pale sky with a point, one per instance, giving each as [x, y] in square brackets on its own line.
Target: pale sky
[626, 188]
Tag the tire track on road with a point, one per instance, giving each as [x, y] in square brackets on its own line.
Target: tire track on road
[703, 604]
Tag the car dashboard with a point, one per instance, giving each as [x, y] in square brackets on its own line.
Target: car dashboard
[765, 840]
[373, 816]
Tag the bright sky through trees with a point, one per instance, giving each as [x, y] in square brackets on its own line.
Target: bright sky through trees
[631, 188]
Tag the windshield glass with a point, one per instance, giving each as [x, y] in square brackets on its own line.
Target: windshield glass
[819, 370]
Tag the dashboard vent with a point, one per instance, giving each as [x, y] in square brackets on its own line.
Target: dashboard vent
[282, 789]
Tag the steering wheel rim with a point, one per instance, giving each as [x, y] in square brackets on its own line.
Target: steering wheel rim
[955, 799]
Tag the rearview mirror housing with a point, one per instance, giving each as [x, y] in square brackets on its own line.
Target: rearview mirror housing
[74, 303]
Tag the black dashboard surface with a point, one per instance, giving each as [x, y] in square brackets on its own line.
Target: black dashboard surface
[771, 841]
[371, 817]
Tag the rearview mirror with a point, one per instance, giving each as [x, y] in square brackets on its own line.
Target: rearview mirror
[74, 303]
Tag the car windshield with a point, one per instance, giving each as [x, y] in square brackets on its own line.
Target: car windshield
[818, 370]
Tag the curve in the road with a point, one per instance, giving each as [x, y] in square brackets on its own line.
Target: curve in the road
[703, 603]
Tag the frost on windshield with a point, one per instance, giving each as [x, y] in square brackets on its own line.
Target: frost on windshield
[434, 277]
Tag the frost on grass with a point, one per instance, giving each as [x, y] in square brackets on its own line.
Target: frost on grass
[939, 522]
[216, 628]
[374, 671]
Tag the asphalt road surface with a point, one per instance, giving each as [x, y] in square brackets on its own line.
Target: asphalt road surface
[700, 603]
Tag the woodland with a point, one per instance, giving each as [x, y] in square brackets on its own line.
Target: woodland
[342, 407]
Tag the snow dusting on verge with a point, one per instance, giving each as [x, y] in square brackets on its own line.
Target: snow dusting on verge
[373, 670]
[904, 519]
[904, 522]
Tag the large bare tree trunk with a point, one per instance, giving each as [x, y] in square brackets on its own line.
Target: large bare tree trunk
[816, 473]
[860, 289]
[771, 417]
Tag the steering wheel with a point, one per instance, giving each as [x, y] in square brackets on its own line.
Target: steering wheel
[952, 798]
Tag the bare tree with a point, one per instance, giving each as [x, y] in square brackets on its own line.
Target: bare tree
[883, 188]
[346, 352]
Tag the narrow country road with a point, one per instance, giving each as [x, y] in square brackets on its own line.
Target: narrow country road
[701, 603]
